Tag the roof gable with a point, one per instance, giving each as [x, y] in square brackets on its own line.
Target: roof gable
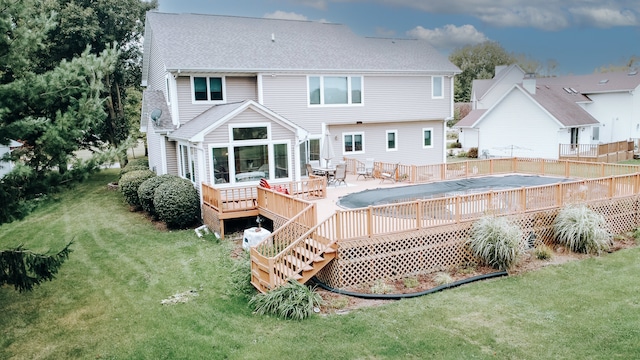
[186, 43]
[561, 108]
[196, 129]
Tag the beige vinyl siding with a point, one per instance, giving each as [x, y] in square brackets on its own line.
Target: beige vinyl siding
[156, 79]
[236, 89]
[385, 99]
[172, 157]
[409, 142]
[154, 142]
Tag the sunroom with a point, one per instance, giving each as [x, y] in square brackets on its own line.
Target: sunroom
[238, 144]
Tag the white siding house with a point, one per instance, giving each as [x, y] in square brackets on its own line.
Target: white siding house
[532, 117]
[256, 101]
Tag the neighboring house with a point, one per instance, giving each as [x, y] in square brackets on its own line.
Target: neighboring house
[229, 100]
[515, 114]
[7, 166]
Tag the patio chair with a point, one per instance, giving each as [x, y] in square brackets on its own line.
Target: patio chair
[391, 176]
[366, 171]
[340, 175]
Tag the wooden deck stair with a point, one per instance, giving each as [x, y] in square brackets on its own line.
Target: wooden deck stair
[300, 261]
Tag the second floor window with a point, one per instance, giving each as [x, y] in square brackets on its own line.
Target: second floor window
[437, 87]
[335, 90]
[208, 88]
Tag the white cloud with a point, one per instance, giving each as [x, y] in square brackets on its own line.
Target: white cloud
[541, 14]
[450, 36]
[604, 18]
[283, 15]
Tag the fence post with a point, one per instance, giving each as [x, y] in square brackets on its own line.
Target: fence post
[418, 214]
[559, 199]
[458, 208]
[338, 228]
[369, 221]
[413, 174]
[523, 198]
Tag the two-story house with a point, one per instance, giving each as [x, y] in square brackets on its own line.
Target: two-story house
[229, 100]
[517, 114]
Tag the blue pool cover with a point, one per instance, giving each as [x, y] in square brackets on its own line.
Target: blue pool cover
[443, 189]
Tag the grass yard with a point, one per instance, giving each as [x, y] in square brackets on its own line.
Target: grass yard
[106, 302]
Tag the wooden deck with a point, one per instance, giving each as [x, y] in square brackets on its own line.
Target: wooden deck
[304, 241]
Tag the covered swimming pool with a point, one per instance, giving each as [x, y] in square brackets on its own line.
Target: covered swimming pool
[441, 189]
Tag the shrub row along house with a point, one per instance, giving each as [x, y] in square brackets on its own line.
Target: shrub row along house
[230, 100]
[515, 114]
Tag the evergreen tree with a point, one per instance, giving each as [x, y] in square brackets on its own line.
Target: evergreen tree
[25, 269]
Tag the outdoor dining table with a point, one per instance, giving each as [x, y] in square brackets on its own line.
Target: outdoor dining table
[326, 171]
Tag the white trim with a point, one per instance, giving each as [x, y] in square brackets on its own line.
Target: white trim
[213, 102]
[261, 89]
[395, 140]
[422, 138]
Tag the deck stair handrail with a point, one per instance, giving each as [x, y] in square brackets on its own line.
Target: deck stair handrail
[276, 259]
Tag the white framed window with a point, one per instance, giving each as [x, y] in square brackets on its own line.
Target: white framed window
[208, 89]
[392, 140]
[437, 87]
[427, 138]
[353, 143]
[250, 155]
[334, 90]
[187, 159]
[595, 133]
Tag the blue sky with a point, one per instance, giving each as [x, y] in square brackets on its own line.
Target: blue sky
[579, 35]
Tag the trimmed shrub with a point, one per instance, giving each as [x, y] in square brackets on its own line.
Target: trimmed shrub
[143, 161]
[130, 182]
[177, 203]
[128, 169]
[291, 301]
[496, 241]
[582, 230]
[147, 191]
[473, 153]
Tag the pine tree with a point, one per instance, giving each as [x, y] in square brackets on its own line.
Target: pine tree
[25, 269]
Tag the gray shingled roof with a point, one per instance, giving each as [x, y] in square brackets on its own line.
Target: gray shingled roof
[155, 100]
[202, 121]
[597, 82]
[192, 42]
[564, 105]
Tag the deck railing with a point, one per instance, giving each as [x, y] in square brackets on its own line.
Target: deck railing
[609, 152]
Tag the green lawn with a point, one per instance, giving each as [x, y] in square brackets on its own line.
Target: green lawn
[106, 302]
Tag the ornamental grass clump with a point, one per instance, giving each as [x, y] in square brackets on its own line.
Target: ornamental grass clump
[582, 230]
[291, 301]
[496, 241]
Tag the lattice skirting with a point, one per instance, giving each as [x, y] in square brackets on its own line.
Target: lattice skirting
[394, 256]
[211, 219]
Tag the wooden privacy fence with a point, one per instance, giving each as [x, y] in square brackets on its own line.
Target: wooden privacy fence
[610, 152]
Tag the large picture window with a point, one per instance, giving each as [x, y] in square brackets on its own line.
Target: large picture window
[208, 88]
[250, 156]
[335, 90]
[353, 143]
